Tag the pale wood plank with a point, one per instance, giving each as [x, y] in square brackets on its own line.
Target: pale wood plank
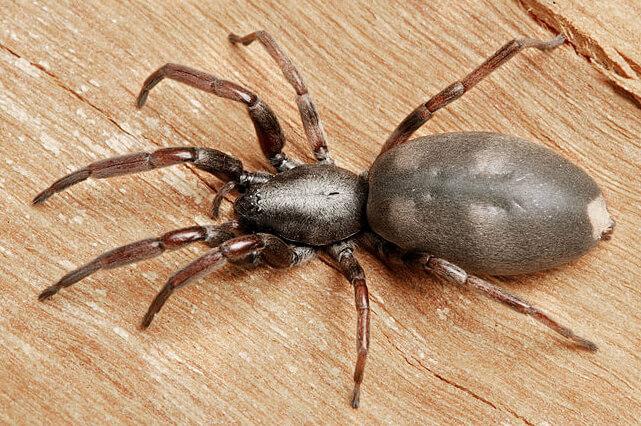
[278, 345]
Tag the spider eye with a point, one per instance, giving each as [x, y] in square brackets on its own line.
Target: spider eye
[248, 204]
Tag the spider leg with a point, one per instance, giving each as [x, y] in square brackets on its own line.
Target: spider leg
[391, 254]
[343, 254]
[220, 195]
[268, 130]
[243, 249]
[146, 249]
[458, 276]
[424, 112]
[311, 121]
[213, 161]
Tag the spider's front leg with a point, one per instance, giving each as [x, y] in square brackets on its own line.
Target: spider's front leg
[268, 130]
[218, 163]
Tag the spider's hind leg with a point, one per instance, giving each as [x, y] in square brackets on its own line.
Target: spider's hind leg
[424, 111]
[390, 254]
[458, 276]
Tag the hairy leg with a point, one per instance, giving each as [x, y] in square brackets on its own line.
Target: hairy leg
[391, 255]
[245, 248]
[458, 276]
[343, 254]
[146, 249]
[268, 130]
[424, 112]
[311, 122]
[210, 160]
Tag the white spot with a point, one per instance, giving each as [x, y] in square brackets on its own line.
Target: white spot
[196, 104]
[50, 144]
[81, 113]
[67, 264]
[150, 276]
[202, 220]
[485, 213]
[77, 219]
[94, 83]
[244, 356]
[599, 217]
[45, 65]
[13, 36]
[96, 307]
[487, 162]
[83, 89]
[121, 332]
[13, 109]
[406, 159]
[152, 122]
[23, 65]
[442, 313]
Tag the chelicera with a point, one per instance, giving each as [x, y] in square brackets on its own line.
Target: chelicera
[451, 204]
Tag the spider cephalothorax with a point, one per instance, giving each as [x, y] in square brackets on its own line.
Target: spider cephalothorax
[491, 203]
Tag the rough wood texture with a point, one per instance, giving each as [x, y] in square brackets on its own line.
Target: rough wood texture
[279, 345]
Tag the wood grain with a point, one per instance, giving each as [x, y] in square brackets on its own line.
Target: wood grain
[278, 346]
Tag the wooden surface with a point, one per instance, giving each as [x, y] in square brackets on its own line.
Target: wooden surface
[278, 346]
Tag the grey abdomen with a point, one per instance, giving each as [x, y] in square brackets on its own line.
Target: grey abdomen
[488, 202]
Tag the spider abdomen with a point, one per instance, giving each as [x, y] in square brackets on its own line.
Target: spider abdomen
[488, 202]
[316, 204]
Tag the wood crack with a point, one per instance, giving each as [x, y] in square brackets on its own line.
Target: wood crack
[421, 365]
[63, 86]
[620, 70]
[78, 96]
[474, 395]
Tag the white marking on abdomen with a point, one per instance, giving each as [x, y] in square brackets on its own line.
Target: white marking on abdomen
[599, 217]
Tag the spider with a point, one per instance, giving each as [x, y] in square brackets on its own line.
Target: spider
[449, 203]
